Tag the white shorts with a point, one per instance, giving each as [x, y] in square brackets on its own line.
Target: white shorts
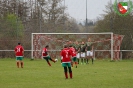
[78, 55]
[89, 53]
[82, 54]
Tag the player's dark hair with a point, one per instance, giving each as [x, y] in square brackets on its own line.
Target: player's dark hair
[46, 46]
[19, 43]
[65, 46]
[71, 46]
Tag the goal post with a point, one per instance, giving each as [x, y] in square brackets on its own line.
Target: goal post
[103, 43]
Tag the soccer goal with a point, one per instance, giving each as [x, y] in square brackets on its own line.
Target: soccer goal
[102, 42]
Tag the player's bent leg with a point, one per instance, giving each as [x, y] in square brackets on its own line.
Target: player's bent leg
[51, 59]
[46, 58]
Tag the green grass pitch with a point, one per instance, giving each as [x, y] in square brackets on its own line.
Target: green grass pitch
[37, 74]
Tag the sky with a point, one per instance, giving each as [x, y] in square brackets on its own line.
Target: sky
[77, 8]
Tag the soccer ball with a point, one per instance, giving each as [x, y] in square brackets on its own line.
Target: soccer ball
[56, 60]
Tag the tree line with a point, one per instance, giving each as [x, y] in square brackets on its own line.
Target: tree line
[20, 18]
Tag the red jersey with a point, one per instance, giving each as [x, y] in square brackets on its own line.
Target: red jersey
[66, 55]
[73, 52]
[44, 52]
[19, 50]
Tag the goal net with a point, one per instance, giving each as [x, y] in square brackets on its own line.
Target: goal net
[102, 42]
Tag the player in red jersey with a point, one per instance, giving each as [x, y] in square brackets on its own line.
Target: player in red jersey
[66, 61]
[74, 55]
[46, 56]
[19, 52]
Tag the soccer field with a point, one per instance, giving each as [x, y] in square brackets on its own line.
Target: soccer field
[37, 74]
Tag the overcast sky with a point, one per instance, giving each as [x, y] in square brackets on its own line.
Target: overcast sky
[77, 8]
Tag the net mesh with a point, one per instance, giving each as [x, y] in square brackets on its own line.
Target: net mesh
[101, 42]
[116, 46]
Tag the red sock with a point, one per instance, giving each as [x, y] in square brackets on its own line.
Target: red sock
[49, 63]
[66, 75]
[21, 64]
[54, 61]
[18, 64]
[70, 74]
